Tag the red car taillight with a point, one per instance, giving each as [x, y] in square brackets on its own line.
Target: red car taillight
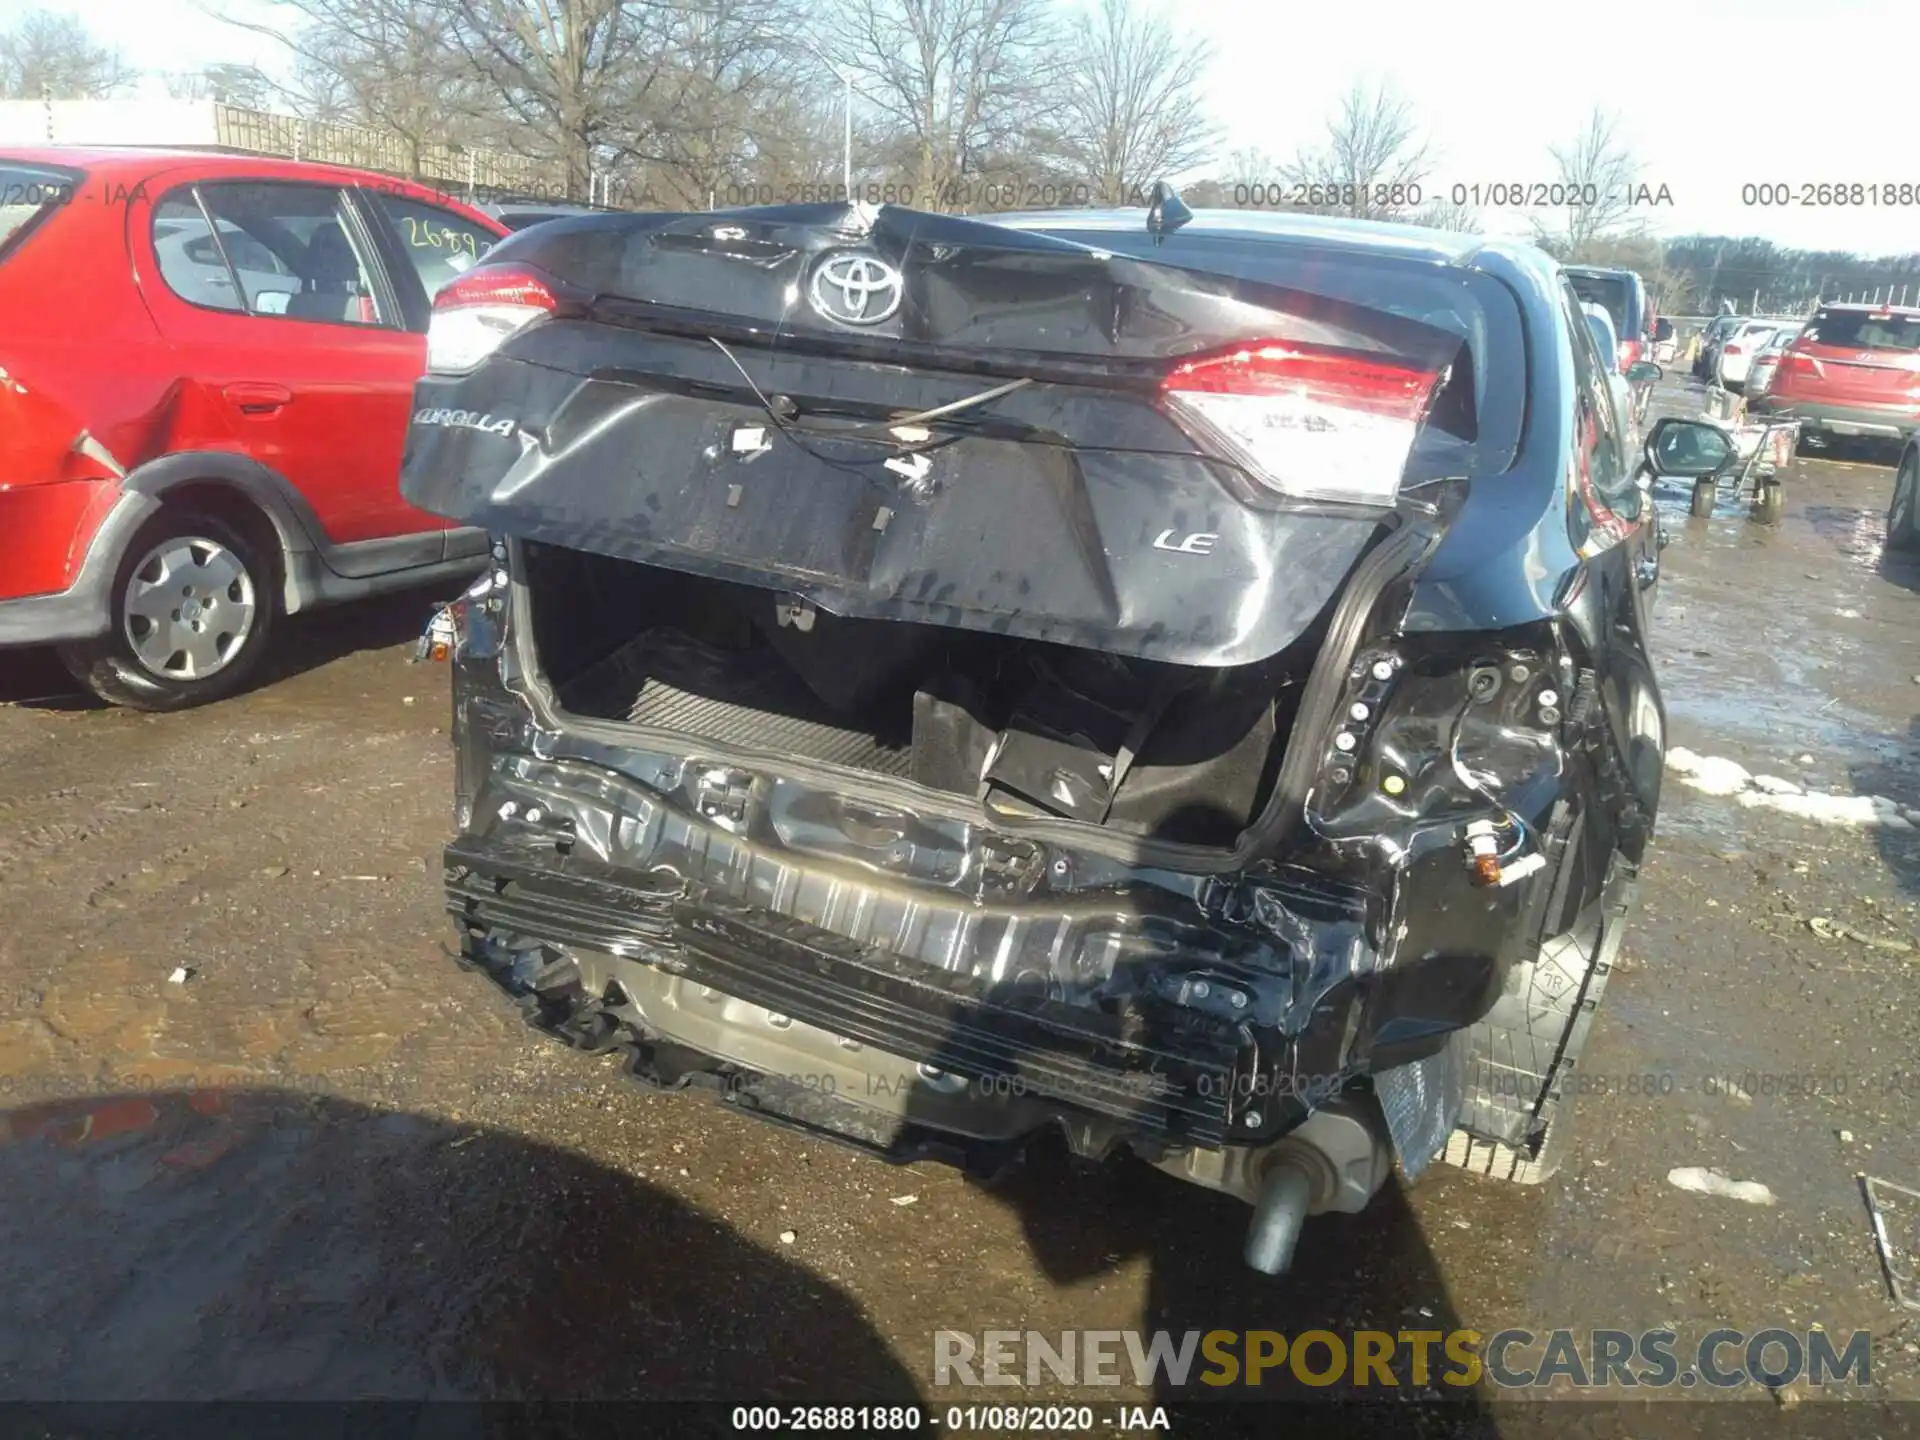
[1307, 421]
[1733, 350]
[1626, 352]
[476, 313]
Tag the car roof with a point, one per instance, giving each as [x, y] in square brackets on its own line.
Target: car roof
[1603, 270]
[1865, 309]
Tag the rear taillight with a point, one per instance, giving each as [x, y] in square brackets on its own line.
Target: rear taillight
[1306, 421]
[476, 313]
[1625, 353]
[1732, 349]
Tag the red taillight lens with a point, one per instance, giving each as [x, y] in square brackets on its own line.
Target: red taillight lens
[1626, 352]
[497, 285]
[1733, 350]
[477, 312]
[1307, 421]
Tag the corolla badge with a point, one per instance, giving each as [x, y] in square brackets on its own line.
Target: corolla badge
[464, 420]
[856, 289]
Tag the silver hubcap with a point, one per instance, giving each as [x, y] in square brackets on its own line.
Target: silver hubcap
[189, 608]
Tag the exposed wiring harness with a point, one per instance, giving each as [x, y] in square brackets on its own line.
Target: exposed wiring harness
[881, 431]
[1467, 778]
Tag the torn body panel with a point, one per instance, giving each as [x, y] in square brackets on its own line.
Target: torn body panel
[1051, 978]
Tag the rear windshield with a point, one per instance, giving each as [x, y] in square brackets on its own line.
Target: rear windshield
[1611, 293]
[1864, 330]
[27, 194]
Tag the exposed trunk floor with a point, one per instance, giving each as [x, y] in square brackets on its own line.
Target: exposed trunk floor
[667, 681]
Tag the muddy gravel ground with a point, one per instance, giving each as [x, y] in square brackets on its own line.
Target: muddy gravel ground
[326, 1162]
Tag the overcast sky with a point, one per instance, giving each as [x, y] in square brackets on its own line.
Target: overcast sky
[1827, 98]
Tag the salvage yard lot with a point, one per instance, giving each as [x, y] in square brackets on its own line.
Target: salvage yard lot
[399, 1190]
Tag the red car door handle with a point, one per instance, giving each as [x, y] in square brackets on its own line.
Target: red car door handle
[252, 397]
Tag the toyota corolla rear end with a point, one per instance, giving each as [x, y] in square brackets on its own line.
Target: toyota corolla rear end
[943, 682]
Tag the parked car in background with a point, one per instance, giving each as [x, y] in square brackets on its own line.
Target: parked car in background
[1708, 354]
[1624, 294]
[1766, 359]
[1069, 761]
[1600, 325]
[1739, 348]
[1665, 343]
[1854, 370]
[517, 213]
[206, 368]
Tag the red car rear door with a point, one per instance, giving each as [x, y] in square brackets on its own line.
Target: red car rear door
[292, 349]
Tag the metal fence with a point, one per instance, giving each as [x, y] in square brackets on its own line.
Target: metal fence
[462, 167]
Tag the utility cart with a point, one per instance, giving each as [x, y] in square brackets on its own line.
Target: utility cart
[1760, 450]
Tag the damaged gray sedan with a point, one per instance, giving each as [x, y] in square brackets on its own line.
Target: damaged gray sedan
[1178, 680]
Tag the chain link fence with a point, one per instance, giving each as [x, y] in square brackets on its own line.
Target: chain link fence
[463, 169]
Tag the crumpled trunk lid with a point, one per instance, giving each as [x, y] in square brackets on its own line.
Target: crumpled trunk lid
[735, 401]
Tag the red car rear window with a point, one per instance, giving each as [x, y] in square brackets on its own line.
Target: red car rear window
[1864, 330]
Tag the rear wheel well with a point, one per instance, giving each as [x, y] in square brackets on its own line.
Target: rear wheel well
[240, 510]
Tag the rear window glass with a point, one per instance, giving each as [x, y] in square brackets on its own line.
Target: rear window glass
[1610, 292]
[1864, 330]
[28, 193]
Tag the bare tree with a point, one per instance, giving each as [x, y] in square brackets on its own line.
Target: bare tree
[1374, 161]
[738, 112]
[241, 85]
[575, 77]
[55, 57]
[1599, 171]
[1131, 111]
[1445, 213]
[963, 84]
[389, 65]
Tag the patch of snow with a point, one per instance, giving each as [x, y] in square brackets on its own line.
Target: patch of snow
[1710, 773]
[1716, 775]
[1711, 1182]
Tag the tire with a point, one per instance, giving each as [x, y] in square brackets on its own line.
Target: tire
[1515, 1121]
[1771, 503]
[233, 583]
[1901, 533]
[1704, 494]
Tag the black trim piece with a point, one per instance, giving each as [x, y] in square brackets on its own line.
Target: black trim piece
[242, 305]
[43, 211]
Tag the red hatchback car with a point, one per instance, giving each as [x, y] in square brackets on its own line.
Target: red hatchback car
[1854, 370]
[206, 369]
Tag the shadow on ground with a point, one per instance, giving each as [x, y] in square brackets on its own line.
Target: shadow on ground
[36, 678]
[266, 1244]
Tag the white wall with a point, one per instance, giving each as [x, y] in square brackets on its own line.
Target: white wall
[107, 122]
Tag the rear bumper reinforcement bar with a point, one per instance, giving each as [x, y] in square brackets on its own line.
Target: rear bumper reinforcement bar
[1168, 1075]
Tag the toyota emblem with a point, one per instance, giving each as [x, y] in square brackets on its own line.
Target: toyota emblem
[856, 289]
